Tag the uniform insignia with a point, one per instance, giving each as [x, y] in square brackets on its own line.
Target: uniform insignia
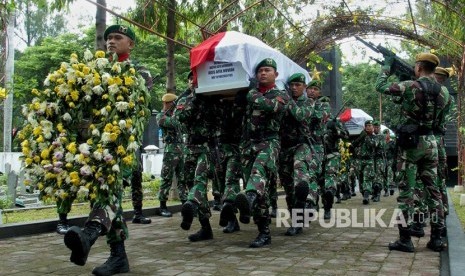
[123, 29]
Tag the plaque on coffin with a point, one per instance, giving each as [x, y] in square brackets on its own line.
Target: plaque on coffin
[221, 78]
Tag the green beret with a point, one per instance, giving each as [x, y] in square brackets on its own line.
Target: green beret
[428, 57]
[297, 77]
[267, 62]
[442, 71]
[121, 29]
[315, 83]
[168, 97]
[368, 122]
[376, 123]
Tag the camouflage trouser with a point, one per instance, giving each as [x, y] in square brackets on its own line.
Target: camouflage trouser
[315, 172]
[442, 172]
[421, 161]
[107, 211]
[233, 169]
[380, 173]
[172, 165]
[198, 192]
[259, 168]
[64, 205]
[294, 168]
[367, 171]
[390, 183]
[217, 171]
[332, 167]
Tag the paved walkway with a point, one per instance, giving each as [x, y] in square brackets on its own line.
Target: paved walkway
[162, 248]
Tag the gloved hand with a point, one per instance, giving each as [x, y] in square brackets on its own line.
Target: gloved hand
[388, 65]
[253, 83]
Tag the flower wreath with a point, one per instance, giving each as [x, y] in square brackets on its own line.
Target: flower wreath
[81, 133]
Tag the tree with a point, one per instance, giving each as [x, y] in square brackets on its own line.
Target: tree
[100, 25]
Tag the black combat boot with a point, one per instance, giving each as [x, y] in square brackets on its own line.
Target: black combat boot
[376, 193]
[163, 211]
[404, 243]
[139, 218]
[205, 232]
[116, 263]
[188, 211]
[416, 229]
[328, 199]
[227, 213]
[274, 208]
[366, 197]
[216, 201]
[80, 241]
[391, 192]
[386, 193]
[233, 226]
[264, 236]
[62, 226]
[435, 243]
[245, 203]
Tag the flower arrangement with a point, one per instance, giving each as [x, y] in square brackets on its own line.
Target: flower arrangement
[81, 132]
[2, 93]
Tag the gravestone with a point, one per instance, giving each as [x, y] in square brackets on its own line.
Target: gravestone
[12, 181]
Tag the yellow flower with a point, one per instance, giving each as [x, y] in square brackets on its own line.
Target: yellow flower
[100, 54]
[111, 179]
[64, 195]
[71, 105]
[86, 70]
[28, 161]
[36, 159]
[132, 71]
[75, 95]
[40, 139]
[74, 178]
[131, 104]
[40, 186]
[128, 160]
[72, 147]
[45, 154]
[120, 150]
[50, 176]
[74, 55]
[69, 165]
[108, 108]
[108, 127]
[105, 96]
[60, 128]
[128, 81]
[113, 136]
[132, 138]
[35, 92]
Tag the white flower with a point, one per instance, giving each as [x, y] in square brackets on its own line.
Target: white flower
[104, 187]
[48, 167]
[95, 132]
[122, 124]
[58, 164]
[83, 191]
[103, 112]
[116, 68]
[105, 78]
[85, 170]
[113, 89]
[88, 98]
[69, 157]
[133, 146]
[88, 55]
[67, 117]
[115, 168]
[106, 137]
[97, 155]
[84, 148]
[98, 90]
[102, 62]
[58, 155]
[48, 190]
[47, 81]
[121, 106]
[107, 157]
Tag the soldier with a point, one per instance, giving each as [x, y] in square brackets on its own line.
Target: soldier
[106, 215]
[230, 117]
[321, 114]
[172, 154]
[423, 100]
[295, 156]
[260, 147]
[333, 133]
[380, 162]
[390, 151]
[366, 145]
[194, 112]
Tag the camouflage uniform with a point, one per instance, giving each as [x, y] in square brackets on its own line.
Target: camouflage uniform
[260, 152]
[390, 149]
[193, 112]
[172, 155]
[380, 163]
[422, 101]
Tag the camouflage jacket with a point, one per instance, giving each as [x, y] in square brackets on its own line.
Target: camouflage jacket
[417, 106]
[263, 115]
[295, 127]
[321, 114]
[170, 128]
[366, 146]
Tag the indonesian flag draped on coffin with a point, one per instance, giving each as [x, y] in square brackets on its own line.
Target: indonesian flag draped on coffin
[226, 61]
[354, 120]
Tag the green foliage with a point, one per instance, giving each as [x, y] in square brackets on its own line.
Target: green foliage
[152, 186]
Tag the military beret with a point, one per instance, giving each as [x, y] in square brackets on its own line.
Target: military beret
[297, 77]
[368, 122]
[315, 83]
[441, 71]
[428, 57]
[267, 62]
[376, 123]
[168, 97]
[121, 29]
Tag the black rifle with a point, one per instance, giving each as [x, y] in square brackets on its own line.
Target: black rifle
[399, 67]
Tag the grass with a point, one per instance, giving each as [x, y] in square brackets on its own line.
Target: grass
[460, 210]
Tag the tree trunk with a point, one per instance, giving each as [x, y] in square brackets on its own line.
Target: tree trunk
[9, 71]
[171, 33]
[100, 26]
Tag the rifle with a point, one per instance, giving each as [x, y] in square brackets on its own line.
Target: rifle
[399, 67]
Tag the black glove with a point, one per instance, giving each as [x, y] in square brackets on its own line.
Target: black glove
[253, 83]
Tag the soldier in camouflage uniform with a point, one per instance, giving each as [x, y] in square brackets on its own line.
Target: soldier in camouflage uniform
[390, 150]
[321, 114]
[63, 209]
[295, 155]
[366, 145]
[172, 154]
[106, 216]
[194, 112]
[380, 163]
[260, 147]
[230, 117]
[422, 103]
[333, 133]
